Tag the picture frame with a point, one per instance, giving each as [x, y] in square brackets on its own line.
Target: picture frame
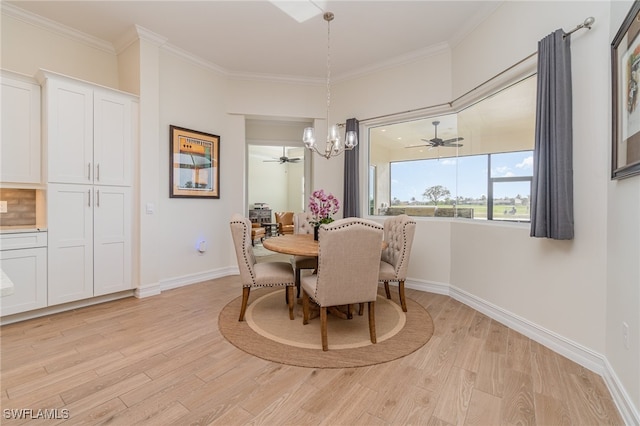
[194, 164]
[625, 78]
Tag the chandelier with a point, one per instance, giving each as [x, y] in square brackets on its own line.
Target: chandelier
[334, 145]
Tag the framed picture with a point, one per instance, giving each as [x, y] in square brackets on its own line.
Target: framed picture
[194, 164]
[625, 72]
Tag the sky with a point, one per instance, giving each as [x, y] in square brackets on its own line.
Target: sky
[411, 178]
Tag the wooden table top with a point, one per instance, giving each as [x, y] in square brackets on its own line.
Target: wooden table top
[296, 244]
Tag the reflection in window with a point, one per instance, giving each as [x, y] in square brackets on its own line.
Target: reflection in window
[476, 163]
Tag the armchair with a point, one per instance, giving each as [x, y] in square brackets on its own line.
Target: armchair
[285, 222]
[257, 233]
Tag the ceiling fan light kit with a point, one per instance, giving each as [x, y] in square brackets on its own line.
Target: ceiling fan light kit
[334, 145]
[283, 159]
[437, 142]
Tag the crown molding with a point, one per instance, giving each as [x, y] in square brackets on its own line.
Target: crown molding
[136, 33]
[197, 60]
[56, 27]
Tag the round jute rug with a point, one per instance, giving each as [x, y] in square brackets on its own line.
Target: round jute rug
[268, 333]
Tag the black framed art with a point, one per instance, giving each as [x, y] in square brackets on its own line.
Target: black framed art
[625, 76]
[194, 164]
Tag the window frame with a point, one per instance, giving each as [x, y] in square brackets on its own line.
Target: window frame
[503, 80]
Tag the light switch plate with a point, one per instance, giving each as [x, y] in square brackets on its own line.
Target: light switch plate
[3, 206]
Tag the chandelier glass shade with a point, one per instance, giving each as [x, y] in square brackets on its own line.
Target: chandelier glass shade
[334, 145]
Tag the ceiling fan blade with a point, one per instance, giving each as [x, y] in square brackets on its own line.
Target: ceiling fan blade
[453, 140]
[453, 144]
[417, 146]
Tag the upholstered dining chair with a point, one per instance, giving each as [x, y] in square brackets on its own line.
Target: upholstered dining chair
[302, 225]
[398, 234]
[348, 251]
[285, 222]
[253, 274]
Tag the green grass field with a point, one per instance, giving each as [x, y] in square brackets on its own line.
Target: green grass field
[500, 212]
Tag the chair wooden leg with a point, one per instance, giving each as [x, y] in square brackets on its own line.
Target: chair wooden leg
[290, 293]
[361, 309]
[245, 299]
[372, 321]
[305, 308]
[386, 289]
[349, 314]
[298, 281]
[403, 301]
[323, 327]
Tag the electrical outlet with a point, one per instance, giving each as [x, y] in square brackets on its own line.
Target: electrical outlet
[3, 206]
[625, 334]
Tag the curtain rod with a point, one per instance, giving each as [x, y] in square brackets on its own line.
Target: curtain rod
[586, 24]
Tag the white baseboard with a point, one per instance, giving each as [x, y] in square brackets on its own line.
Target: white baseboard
[50, 310]
[623, 401]
[197, 278]
[147, 290]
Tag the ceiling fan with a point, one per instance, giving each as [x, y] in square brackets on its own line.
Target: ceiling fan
[436, 141]
[283, 159]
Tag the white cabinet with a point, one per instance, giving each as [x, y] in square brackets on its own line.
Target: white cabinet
[88, 131]
[20, 144]
[111, 240]
[23, 259]
[89, 241]
[89, 138]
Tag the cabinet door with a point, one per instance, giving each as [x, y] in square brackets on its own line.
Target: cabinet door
[69, 128]
[112, 138]
[70, 251]
[112, 239]
[20, 141]
[27, 269]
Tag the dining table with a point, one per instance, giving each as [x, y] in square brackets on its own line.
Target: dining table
[294, 244]
[297, 245]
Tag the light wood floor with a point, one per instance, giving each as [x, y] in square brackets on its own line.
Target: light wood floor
[161, 360]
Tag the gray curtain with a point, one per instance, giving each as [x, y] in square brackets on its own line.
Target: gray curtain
[351, 205]
[552, 188]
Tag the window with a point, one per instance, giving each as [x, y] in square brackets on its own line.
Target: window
[476, 163]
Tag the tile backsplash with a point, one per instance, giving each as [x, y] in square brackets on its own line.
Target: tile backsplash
[21, 207]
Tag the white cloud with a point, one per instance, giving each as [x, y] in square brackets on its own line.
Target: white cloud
[527, 163]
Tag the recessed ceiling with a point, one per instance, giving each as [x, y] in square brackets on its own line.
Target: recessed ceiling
[258, 38]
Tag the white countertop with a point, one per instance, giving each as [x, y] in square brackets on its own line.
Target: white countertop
[20, 228]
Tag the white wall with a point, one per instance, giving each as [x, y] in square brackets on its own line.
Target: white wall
[193, 97]
[53, 51]
[573, 271]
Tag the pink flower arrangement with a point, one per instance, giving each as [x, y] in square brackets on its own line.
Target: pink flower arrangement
[322, 206]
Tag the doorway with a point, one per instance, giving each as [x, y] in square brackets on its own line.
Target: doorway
[278, 166]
